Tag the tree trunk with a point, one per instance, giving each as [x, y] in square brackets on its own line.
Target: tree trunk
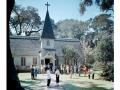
[13, 82]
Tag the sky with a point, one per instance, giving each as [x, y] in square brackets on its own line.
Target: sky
[60, 9]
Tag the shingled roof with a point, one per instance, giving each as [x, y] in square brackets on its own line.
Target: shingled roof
[22, 45]
[47, 29]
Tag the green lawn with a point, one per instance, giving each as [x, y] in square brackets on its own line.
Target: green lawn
[26, 81]
[74, 83]
[83, 83]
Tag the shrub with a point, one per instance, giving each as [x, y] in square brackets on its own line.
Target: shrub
[108, 72]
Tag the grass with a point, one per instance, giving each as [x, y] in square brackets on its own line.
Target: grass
[26, 81]
[74, 83]
[83, 83]
[73, 87]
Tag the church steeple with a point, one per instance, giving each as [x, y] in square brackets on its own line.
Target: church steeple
[47, 29]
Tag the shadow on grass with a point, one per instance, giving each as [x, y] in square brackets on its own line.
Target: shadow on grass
[90, 83]
[73, 87]
[30, 82]
[27, 81]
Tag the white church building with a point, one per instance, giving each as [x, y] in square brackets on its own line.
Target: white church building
[40, 50]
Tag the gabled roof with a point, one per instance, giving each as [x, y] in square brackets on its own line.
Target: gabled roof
[47, 29]
[22, 45]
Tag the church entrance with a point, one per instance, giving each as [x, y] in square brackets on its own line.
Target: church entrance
[51, 66]
[48, 63]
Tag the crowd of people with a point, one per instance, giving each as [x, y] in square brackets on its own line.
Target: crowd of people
[63, 69]
[34, 72]
[47, 70]
[67, 69]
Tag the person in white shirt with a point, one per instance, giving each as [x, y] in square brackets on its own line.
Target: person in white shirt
[57, 73]
[48, 76]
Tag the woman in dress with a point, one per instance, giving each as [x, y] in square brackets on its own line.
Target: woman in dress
[57, 73]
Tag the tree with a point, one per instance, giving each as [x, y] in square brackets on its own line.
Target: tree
[24, 20]
[104, 5]
[71, 28]
[64, 28]
[12, 76]
[104, 52]
[102, 39]
[108, 72]
[102, 22]
[71, 56]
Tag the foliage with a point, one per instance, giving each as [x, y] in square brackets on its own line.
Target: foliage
[70, 55]
[24, 20]
[102, 22]
[70, 28]
[104, 5]
[108, 72]
[98, 65]
[101, 25]
[100, 41]
[104, 51]
[89, 59]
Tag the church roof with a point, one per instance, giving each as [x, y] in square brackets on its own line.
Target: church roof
[30, 46]
[47, 29]
[22, 45]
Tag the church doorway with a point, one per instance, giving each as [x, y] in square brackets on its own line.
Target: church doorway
[47, 61]
[51, 66]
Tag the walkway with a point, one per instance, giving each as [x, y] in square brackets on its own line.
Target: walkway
[41, 85]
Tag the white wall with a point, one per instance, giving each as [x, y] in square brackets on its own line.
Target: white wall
[29, 60]
[44, 43]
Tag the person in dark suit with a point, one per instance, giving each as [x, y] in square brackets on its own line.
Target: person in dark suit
[32, 72]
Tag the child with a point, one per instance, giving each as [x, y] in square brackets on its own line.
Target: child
[48, 77]
[57, 73]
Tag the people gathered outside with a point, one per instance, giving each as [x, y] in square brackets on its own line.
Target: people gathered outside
[32, 72]
[57, 73]
[68, 69]
[48, 76]
[71, 71]
[42, 69]
[35, 71]
[79, 70]
[90, 73]
[61, 68]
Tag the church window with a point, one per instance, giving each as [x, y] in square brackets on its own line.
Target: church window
[42, 62]
[23, 61]
[34, 61]
[48, 43]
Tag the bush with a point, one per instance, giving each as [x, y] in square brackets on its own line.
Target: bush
[108, 72]
[98, 65]
[88, 65]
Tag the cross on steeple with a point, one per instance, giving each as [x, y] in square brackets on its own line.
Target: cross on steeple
[47, 5]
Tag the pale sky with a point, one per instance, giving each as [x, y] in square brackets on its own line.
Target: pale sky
[60, 9]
